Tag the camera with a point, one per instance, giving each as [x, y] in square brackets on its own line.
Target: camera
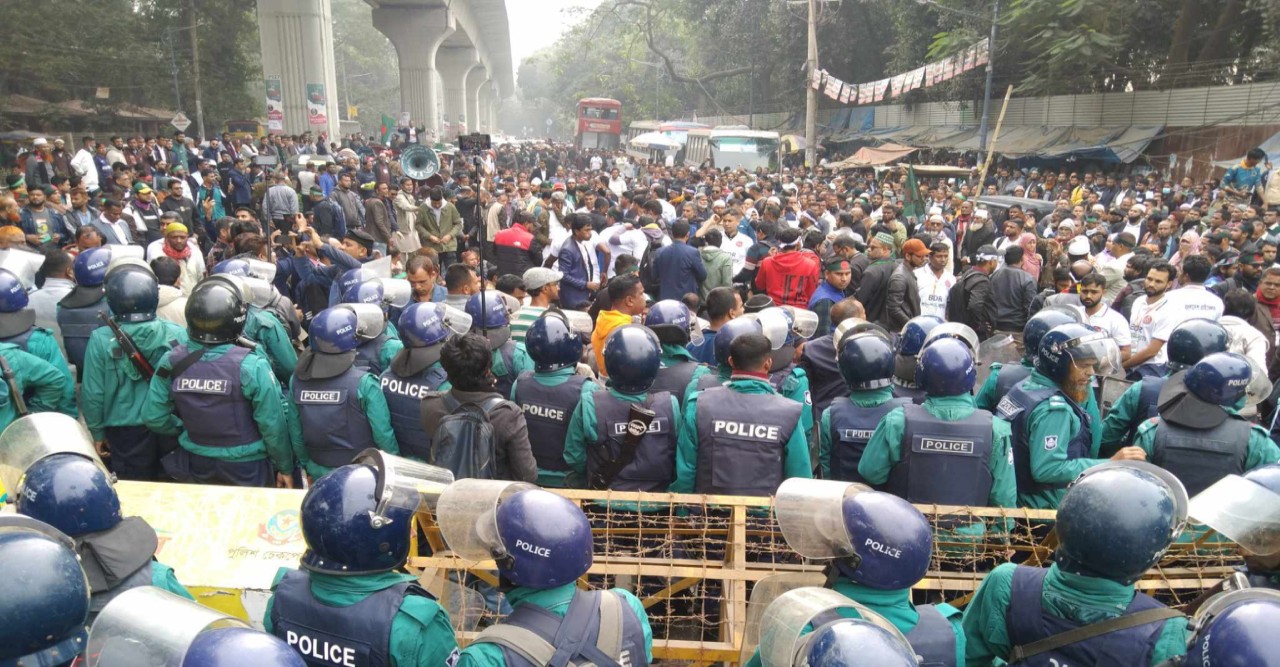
[470, 143]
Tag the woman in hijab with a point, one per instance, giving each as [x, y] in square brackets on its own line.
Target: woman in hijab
[1188, 245]
[1031, 260]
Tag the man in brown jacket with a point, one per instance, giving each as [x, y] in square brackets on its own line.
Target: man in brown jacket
[379, 216]
[439, 225]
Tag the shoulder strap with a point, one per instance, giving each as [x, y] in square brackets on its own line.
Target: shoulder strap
[527, 643]
[1087, 632]
[182, 365]
[609, 639]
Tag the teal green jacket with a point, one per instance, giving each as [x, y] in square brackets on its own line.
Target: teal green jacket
[260, 388]
[895, 606]
[42, 344]
[420, 631]
[555, 600]
[1262, 449]
[37, 378]
[1082, 600]
[558, 478]
[391, 348]
[796, 462]
[987, 398]
[1051, 425]
[721, 372]
[796, 388]
[863, 398]
[519, 358]
[112, 391]
[374, 405]
[272, 337]
[582, 427]
[1120, 417]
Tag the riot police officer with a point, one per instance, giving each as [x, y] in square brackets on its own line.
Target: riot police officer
[351, 598]
[910, 342]
[1198, 434]
[675, 327]
[816, 627]
[341, 408]
[542, 544]
[753, 434]
[489, 318]
[550, 395]
[67, 487]
[118, 370]
[866, 363]
[1234, 627]
[221, 399]
[1188, 343]
[277, 304]
[602, 446]
[1053, 416]
[263, 327]
[78, 311]
[882, 549]
[1004, 376]
[416, 370]
[705, 377]
[1114, 523]
[946, 451]
[17, 326]
[391, 296]
[787, 327]
[43, 387]
[44, 593]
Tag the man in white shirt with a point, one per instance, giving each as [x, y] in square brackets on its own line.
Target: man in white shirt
[1099, 315]
[935, 281]
[58, 282]
[82, 164]
[1193, 299]
[1151, 320]
[1244, 338]
[735, 243]
[1111, 263]
[596, 163]
[935, 225]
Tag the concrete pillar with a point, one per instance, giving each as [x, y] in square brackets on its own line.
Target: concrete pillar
[417, 33]
[494, 103]
[454, 63]
[476, 79]
[296, 37]
[486, 107]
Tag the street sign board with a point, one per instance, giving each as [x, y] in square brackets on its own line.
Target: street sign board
[181, 122]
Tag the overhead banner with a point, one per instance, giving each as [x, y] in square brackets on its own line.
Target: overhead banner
[316, 103]
[275, 105]
[931, 74]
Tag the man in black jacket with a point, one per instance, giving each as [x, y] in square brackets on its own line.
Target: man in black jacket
[1013, 290]
[874, 289]
[971, 301]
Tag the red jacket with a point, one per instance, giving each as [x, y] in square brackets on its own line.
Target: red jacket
[790, 278]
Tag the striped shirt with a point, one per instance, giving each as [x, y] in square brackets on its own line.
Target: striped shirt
[524, 319]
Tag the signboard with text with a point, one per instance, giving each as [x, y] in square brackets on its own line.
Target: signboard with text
[316, 104]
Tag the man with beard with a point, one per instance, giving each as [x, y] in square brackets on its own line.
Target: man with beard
[874, 287]
[40, 222]
[175, 246]
[1151, 320]
[424, 277]
[1100, 316]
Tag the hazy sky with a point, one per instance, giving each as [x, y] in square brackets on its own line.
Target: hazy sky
[538, 23]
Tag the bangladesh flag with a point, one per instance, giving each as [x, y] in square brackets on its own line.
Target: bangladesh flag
[388, 128]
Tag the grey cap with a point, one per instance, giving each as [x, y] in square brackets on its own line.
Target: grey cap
[539, 277]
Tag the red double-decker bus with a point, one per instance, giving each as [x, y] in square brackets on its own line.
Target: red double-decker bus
[599, 123]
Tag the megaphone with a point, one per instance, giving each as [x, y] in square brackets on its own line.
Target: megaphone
[419, 162]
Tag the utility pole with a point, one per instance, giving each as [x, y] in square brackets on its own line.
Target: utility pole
[195, 70]
[811, 95]
[346, 90]
[991, 67]
[173, 68]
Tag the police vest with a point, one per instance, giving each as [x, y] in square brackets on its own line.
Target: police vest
[1008, 377]
[358, 635]
[742, 441]
[933, 638]
[20, 340]
[209, 399]
[598, 628]
[334, 425]
[1201, 457]
[1015, 408]
[851, 427]
[653, 464]
[508, 378]
[912, 393]
[778, 377]
[547, 411]
[369, 354]
[943, 462]
[1028, 621]
[1148, 405]
[404, 401]
[674, 379]
[709, 381]
[77, 324]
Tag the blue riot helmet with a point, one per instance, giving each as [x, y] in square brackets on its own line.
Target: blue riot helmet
[133, 294]
[236, 647]
[247, 267]
[856, 325]
[961, 332]
[911, 338]
[333, 331]
[1039, 324]
[45, 594]
[1083, 347]
[856, 642]
[354, 277]
[945, 368]
[90, 266]
[865, 361]
[1236, 628]
[369, 291]
[553, 344]
[632, 357]
[877, 539]
[491, 317]
[1117, 519]
[1219, 378]
[70, 493]
[673, 323]
[729, 331]
[13, 294]
[844, 633]
[1191, 340]
[426, 324]
[216, 313]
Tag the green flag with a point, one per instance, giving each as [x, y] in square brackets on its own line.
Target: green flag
[388, 128]
[912, 206]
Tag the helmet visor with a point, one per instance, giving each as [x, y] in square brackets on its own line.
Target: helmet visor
[578, 321]
[1259, 387]
[467, 515]
[261, 270]
[1245, 512]
[1179, 492]
[19, 523]
[955, 330]
[804, 323]
[256, 291]
[150, 627]
[998, 350]
[1097, 353]
[396, 292]
[404, 483]
[380, 267]
[122, 254]
[1220, 602]
[774, 326]
[811, 515]
[789, 617]
[370, 320]
[458, 321]
[40, 435]
[118, 263]
[23, 264]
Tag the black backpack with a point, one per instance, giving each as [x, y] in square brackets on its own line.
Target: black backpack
[464, 441]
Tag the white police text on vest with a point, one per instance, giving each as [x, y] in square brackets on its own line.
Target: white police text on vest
[554, 414]
[405, 388]
[941, 446]
[312, 396]
[746, 430]
[201, 386]
[533, 549]
[322, 649]
[655, 426]
[855, 434]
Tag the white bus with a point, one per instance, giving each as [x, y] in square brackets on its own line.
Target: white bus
[733, 147]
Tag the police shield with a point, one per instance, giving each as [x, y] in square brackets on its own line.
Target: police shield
[396, 292]
[774, 326]
[150, 627]
[810, 513]
[37, 436]
[1243, 511]
[252, 290]
[1112, 389]
[403, 483]
[762, 595]
[467, 515]
[466, 606]
[22, 264]
[1000, 349]
[261, 270]
[790, 616]
[380, 267]
[370, 320]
